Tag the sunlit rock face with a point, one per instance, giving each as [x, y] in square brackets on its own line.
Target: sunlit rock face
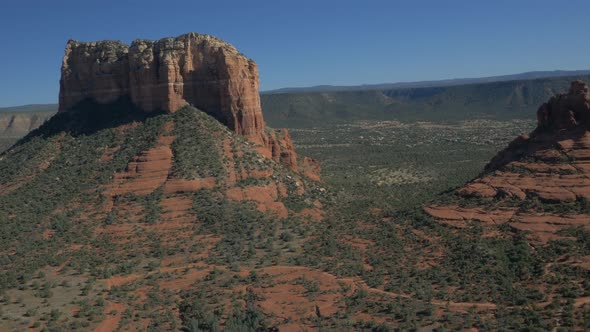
[166, 74]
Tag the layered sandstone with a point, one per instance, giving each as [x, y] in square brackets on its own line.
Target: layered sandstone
[541, 181]
[166, 74]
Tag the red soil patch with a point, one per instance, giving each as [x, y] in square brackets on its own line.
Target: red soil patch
[119, 280]
[144, 174]
[171, 261]
[232, 176]
[314, 214]
[112, 321]
[310, 168]
[169, 127]
[261, 174]
[61, 267]
[177, 186]
[582, 261]
[187, 280]
[265, 196]
[48, 234]
[581, 301]
[544, 227]
[264, 152]
[147, 171]
[176, 212]
[109, 154]
[456, 214]
[287, 298]
[282, 190]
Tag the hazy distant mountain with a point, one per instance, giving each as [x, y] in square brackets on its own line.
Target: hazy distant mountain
[434, 83]
[504, 99]
[16, 122]
[30, 108]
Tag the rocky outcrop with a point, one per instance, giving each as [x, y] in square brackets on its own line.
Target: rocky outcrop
[166, 74]
[542, 177]
[281, 148]
[564, 116]
[310, 168]
[97, 70]
[567, 110]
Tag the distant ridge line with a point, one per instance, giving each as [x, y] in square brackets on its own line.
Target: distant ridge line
[431, 83]
[47, 107]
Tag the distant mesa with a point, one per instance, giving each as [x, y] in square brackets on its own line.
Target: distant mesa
[164, 75]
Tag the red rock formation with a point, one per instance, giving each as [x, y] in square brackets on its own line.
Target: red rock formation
[548, 169]
[201, 70]
[97, 70]
[564, 116]
[164, 75]
[566, 111]
[281, 148]
[310, 168]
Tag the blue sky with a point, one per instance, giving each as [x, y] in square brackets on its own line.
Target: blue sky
[304, 43]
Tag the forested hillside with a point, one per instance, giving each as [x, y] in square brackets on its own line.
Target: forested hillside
[498, 100]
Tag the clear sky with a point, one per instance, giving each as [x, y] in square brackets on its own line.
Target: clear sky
[305, 43]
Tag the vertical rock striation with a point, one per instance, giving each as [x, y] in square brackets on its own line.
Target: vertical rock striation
[166, 74]
[200, 70]
[97, 70]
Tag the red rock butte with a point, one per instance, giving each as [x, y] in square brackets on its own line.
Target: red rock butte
[164, 75]
[548, 168]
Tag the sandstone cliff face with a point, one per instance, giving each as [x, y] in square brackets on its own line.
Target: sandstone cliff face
[566, 111]
[540, 182]
[97, 70]
[201, 70]
[281, 148]
[166, 74]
